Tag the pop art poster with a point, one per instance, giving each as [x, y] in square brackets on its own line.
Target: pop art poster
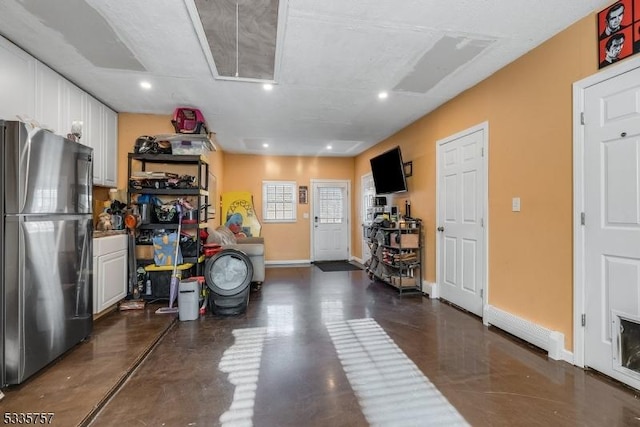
[617, 33]
[239, 214]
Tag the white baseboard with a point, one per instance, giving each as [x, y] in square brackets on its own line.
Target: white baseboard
[431, 289]
[567, 356]
[546, 339]
[299, 262]
[356, 259]
[287, 262]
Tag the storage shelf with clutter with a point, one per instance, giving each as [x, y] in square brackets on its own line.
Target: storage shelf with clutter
[396, 253]
[173, 208]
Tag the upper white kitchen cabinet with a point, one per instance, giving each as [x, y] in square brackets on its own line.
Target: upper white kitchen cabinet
[34, 91]
[74, 109]
[17, 82]
[110, 164]
[101, 134]
[49, 99]
[94, 136]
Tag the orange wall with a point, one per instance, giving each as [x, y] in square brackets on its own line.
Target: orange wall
[528, 106]
[284, 241]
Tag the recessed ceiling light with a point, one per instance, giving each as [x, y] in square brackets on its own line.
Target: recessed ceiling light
[267, 86]
[383, 95]
[329, 147]
[265, 145]
[145, 85]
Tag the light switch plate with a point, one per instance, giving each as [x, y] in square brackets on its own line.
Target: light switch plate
[305, 215]
[515, 204]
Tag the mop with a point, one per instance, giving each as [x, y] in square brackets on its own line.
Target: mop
[173, 286]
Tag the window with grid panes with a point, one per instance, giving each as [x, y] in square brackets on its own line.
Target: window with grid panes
[279, 201]
[330, 203]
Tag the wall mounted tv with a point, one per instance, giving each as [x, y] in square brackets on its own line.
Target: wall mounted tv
[388, 172]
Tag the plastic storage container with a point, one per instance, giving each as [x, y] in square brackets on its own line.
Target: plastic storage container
[188, 297]
[160, 279]
[189, 148]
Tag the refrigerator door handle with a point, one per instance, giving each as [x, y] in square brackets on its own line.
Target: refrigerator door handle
[25, 163]
[89, 179]
[81, 280]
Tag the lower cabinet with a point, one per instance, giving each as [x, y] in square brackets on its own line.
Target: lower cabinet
[109, 271]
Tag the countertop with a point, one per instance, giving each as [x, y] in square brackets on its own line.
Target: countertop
[97, 234]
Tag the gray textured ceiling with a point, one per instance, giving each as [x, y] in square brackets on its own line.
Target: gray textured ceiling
[329, 61]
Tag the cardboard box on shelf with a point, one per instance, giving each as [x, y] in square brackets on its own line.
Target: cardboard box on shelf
[144, 251]
[404, 240]
[403, 281]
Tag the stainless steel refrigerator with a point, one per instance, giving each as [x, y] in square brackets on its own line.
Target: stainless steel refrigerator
[46, 270]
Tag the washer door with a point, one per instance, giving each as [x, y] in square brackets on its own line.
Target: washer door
[228, 272]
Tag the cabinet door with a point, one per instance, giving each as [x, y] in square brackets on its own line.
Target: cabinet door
[94, 137]
[110, 148]
[49, 98]
[96, 306]
[112, 279]
[17, 82]
[73, 108]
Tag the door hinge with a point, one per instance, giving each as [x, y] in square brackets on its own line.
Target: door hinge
[582, 218]
[481, 222]
[582, 118]
[481, 293]
[584, 319]
[482, 152]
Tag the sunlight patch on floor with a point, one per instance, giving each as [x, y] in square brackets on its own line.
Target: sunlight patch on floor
[390, 388]
[242, 362]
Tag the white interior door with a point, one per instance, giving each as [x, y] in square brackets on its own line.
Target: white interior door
[460, 225]
[612, 225]
[330, 222]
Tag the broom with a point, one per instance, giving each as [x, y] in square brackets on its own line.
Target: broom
[175, 282]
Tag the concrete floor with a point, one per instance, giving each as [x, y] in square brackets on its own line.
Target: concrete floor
[282, 364]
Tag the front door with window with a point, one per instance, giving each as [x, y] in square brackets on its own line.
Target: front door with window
[330, 225]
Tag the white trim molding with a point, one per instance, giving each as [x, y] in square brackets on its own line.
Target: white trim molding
[431, 289]
[356, 259]
[288, 262]
[546, 339]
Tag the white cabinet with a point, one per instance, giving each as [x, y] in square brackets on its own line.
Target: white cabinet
[49, 97]
[31, 89]
[101, 134]
[17, 82]
[110, 148]
[73, 108]
[93, 136]
[109, 271]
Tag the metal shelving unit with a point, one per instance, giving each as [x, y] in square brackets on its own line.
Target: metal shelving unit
[200, 191]
[396, 254]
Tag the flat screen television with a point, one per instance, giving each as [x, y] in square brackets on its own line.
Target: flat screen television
[388, 172]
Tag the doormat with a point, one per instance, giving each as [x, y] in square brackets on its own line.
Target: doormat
[336, 266]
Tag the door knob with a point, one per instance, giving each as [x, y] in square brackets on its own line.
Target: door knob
[441, 229]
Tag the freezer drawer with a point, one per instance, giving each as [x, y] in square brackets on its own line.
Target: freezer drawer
[47, 284]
